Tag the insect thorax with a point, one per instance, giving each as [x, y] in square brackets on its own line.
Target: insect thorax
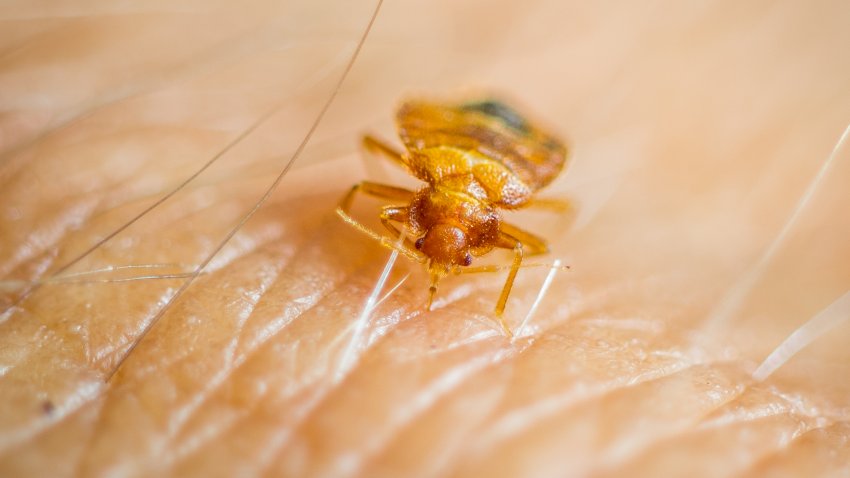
[433, 206]
[473, 173]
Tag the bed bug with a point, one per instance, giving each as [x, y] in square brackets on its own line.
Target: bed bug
[475, 158]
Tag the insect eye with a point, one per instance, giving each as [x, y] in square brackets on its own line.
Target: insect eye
[467, 259]
[419, 242]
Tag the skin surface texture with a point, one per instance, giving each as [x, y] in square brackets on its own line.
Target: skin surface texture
[694, 129]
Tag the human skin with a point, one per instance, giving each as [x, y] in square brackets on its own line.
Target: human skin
[694, 131]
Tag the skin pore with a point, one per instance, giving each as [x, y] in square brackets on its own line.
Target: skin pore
[693, 134]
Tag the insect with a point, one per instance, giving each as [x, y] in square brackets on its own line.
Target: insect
[475, 158]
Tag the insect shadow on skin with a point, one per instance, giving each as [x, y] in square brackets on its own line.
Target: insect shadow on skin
[475, 158]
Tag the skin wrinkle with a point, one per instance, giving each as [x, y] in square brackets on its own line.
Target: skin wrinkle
[337, 388]
[502, 357]
[430, 394]
[282, 444]
[265, 240]
[108, 350]
[777, 410]
[194, 443]
[42, 425]
[535, 413]
[816, 455]
[61, 228]
[484, 364]
[230, 364]
[673, 443]
[310, 405]
[221, 153]
[450, 450]
[636, 380]
[92, 211]
[323, 393]
[34, 352]
[257, 345]
[247, 412]
[93, 400]
[96, 400]
[317, 300]
[218, 380]
[198, 447]
[742, 417]
[109, 392]
[564, 332]
[605, 453]
[805, 424]
[180, 217]
[795, 438]
[628, 383]
[645, 443]
[344, 336]
[97, 423]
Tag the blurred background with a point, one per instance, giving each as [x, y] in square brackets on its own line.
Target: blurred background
[694, 128]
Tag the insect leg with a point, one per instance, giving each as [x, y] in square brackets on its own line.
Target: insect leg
[378, 190]
[499, 268]
[385, 192]
[536, 245]
[506, 241]
[512, 237]
[383, 240]
[375, 145]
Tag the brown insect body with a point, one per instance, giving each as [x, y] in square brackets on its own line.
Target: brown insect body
[452, 226]
[475, 158]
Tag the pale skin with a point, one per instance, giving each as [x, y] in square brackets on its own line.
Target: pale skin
[616, 376]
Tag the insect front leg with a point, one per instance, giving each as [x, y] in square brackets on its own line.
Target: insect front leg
[385, 192]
